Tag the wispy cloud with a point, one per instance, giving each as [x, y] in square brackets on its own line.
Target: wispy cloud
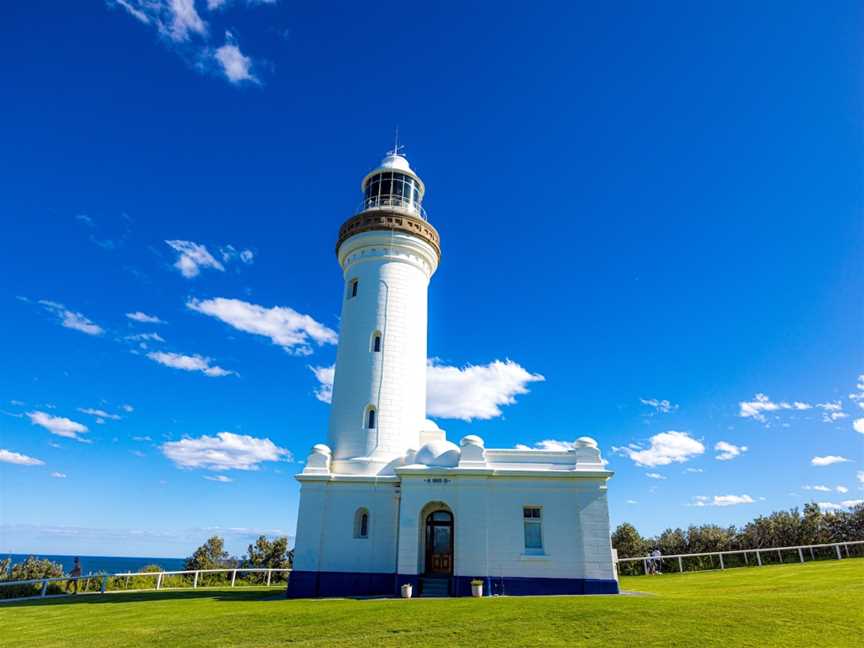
[219, 478]
[58, 425]
[192, 257]
[654, 475]
[659, 406]
[858, 425]
[144, 318]
[189, 363]
[324, 375]
[72, 320]
[293, 331]
[728, 450]
[666, 448]
[722, 500]
[828, 460]
[7, 456]
[836, 506]
[225, 451]
[761, 403]
[832, 411]
[58, 475]
[236, 66]
[99, 413]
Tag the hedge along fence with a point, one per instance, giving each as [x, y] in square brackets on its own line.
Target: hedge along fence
[638, 566]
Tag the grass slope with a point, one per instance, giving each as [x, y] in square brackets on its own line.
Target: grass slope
[817, 604]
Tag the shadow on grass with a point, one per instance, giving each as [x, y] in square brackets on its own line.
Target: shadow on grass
[226, 595]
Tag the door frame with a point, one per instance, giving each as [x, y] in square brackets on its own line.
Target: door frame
[428, 524]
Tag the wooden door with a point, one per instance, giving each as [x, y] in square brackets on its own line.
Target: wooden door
[439, 543]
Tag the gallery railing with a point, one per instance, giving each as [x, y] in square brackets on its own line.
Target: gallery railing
[738, 558]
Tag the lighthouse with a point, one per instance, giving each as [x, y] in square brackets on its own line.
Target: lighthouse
[388, 504]
[388, 252]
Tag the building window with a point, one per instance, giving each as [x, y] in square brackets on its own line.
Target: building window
[370, 418]
[352, 288]
[376, 342]
[533, 529]
[361, 523]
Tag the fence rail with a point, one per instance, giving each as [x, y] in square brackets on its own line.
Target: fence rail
[125, 578]
[767, 552]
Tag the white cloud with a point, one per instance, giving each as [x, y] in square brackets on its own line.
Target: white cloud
[693, 470]
[324, 375]
[71, 319]
[858, 425]
[230, 253]
[756, 408]
[188, 363]
[836, 506]
[728, 451]
[660, 406]
[225, 451]
[832, 411]
[128, 408]
[666, 448]
[141, 438]
[858, 396]
[632, 502]
[58, 425]
[828, 460]
[219, 478]
[193, 257]
[654, 475]
[236, 66]
[842, 489]
[285, 327]
[550, 445]
[138, 316]
[175, 19]
[722, 500]
[7, 456]
[818, 487]
[475, 391]
[58, 475]
[99, 413]
[145, 337]
[247, 256]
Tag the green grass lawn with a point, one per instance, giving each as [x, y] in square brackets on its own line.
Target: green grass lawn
[816, 604]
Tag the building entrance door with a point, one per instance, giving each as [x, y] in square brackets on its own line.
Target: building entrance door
[439, 543]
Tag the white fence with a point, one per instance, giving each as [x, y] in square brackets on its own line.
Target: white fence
[647, 561]
[158, 578]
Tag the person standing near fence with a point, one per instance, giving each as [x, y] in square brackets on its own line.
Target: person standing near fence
[657, 559]
[75, 573]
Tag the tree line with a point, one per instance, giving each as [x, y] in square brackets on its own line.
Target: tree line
[779, 529]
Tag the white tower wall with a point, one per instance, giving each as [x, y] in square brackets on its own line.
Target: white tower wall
[392, 270]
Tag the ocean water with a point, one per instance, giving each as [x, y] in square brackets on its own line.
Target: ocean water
[105, 564]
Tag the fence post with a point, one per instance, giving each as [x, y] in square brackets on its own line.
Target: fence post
[645, 565]
[233, 577]
[159, 581]
[195, 582]
[779, 557]
[801, 554]
[270, 572]
[812, 557]
[44, 587]
[680, 565]
[758, 558]
[837, 549]
[127, 582]
[721, 561]
[104, 584]
[846, 544]
[746, 560]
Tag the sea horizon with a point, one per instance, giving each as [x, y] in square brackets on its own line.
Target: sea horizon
[102, 564]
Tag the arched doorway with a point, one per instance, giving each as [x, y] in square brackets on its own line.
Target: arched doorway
[439, 543]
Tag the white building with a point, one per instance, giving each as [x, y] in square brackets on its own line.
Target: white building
[389, 500]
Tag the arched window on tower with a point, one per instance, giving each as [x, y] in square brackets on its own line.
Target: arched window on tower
[361, 523]
[352, 288]
[370, 417]
[376, 342]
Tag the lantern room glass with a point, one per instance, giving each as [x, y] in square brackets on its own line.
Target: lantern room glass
[392, 189]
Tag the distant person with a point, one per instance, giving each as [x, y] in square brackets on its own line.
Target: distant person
[649, 563]
[658, 561]
[75, 573]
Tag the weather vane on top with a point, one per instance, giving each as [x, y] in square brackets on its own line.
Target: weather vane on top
[396, 146]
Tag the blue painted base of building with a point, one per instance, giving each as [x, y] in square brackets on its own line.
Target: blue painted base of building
[305, 584]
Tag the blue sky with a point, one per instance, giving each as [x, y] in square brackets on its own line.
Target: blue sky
[658, 210]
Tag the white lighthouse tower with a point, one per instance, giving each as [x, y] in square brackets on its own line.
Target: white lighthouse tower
[389, 503]
[388, 252]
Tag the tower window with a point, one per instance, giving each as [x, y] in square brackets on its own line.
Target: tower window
[370, 418]
[376, 343]
[532, 521]
[352, 289]
[361, 523]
